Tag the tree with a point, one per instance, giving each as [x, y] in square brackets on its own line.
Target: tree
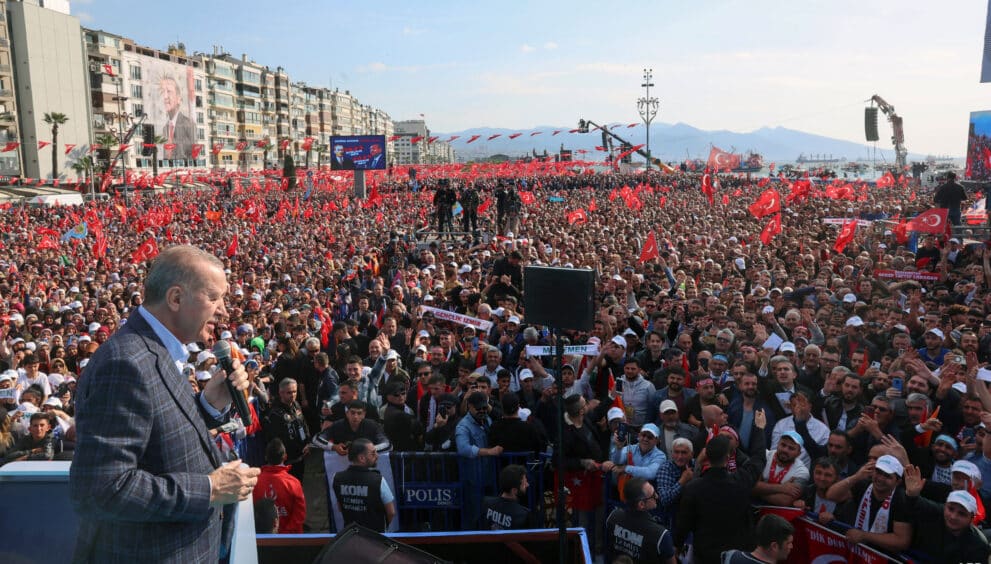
[289, 171]
[155, 140]
[55, 119]
[321, 151]
[84, 167]
[265, 149]
[107, 143]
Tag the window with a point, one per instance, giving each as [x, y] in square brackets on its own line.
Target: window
[199, 85]
[136, 91]
[199, 118]
[135, 72]
[201, 134]
[199, 101]
[137, 110]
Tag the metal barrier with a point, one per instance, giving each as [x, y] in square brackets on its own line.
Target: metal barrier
[441, 491]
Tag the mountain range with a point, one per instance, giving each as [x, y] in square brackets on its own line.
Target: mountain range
[669, 142]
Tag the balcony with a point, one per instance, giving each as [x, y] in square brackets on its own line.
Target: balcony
[6, 93]
[5, 69]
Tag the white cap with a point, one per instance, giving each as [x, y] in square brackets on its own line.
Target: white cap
[619, 341]
[668, 405]
[513, 319]
[889, 465]
[629, 332]
[193, 348]
[614, 413]
[767, 309]
[500, 311]
[10, 375]
[937, 332]
[226, 335]
[787, 346]
[855, 321]
[524, 413]
[740, 263]
[964, 499]
[967, 468]
[54, 402]
[465, 268]
[203, 375]
[423, 333]
[204, 356]
[526, 374]
[392, 355]
[94, 327]
[849, 299]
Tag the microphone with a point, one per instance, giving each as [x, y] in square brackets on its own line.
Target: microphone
[222, 350]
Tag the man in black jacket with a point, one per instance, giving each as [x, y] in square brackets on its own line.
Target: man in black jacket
[631, 531]
[716, 505]
[948, 535]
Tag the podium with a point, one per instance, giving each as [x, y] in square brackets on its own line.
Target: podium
[40, 525]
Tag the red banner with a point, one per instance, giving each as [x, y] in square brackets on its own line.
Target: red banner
[816, 543]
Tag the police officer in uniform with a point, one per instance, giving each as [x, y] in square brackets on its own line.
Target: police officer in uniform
[285, 421]
[362, 493]
[502, 198]
[469, 201]
[505, 512]
[444, 202]
[632, 531]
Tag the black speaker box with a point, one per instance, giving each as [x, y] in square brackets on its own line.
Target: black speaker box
[358, 545]
[561, 298]
[870, 124]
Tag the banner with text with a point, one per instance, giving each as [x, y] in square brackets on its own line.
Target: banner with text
[907, 275]
[458, 318]
[571, 350]
[816, 543]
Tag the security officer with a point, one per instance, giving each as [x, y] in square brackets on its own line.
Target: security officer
[285, 421]
[362, 493]
[632, 532]
[444, 200]
[505, 512]
[469, 202]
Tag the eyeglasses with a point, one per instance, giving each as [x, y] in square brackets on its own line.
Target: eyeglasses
[881, 408]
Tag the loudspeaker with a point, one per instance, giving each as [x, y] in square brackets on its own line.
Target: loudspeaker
[561, 298]
[870, 123]
[358, 545]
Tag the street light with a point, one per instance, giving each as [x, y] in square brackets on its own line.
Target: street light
[648, 107]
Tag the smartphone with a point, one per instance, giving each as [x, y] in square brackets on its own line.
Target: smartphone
[623, 431]
[897, 383]
[968, 434]
[876, 364]
[704, 363]
[869, 411]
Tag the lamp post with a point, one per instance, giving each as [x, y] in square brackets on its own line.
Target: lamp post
[648, 107]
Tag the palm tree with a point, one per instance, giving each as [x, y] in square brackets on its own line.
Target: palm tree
[156, 140]
[107, 143]
[55, 119]
[265, 149]
[83, 167]
[321, 151]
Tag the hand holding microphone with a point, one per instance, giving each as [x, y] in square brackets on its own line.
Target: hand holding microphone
[235, 380]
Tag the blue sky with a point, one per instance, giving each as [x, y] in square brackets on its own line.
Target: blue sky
[717, 64]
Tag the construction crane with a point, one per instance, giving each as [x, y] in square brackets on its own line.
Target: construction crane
[584, 126]
[897, 131]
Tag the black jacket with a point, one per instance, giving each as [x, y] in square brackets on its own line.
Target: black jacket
[934, 540]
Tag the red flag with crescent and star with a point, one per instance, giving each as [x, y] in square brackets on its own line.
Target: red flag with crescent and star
[846, 235]
[649, 250]
[930, 221]
[772, 228]
[145, 251]
[721, 160]
[707, 188]
[769, 202]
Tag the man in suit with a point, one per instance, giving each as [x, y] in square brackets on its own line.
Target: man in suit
[147, 480]
[179, 129]
[341, 160]
[376, 159]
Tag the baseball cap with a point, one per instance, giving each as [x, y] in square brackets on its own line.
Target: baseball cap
[963, 499]
[614, 413]
[787, 346]
[668, 405]
[93, 327]
[54, 402]
[855, 321]
[937, 332]
[513, 319]
[849, 299]
[652, 429]
[524, 414]
[203, 375]
[620, 341]
[392, 355]
[226, 335]
[526, 374]
[793, 435]
[204, 356]
[10, 375]
[967, 468]
[948, 440]
[889, 465]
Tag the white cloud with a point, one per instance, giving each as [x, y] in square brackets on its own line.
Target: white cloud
[527, 48]
[550, 45]
[84, 17]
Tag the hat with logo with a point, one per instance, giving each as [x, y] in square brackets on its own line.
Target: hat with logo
[652, 429]
[889, 465]
[614, 413]
[668, 405]
[964, 499]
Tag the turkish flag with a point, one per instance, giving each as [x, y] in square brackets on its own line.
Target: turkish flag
[930, 221]
[232, 248]
[196, 150]
[515, 135]
[217, 147]
[772, 228]
[577, 216]
[846, 235]
[485, 206]
[261, 143]
[69, 147]
[886, 181]
[307, 143]
[536, 133]
[241, 145]
[100, 246]
[473, 138]
[47, 242]
[721, 160]
[649, 250]
[431, 140]
[591, 206]
[43, 144]
[767, 203]
[123, 147]
[391, 138]
[109, 69]
[901, 232]
[169, 146]
[452, 138]
[491, 137]
[145, 251]
[10, 146]
[707, 188]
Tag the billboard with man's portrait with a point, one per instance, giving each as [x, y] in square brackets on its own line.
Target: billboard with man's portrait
[168, 96]
[357, 152]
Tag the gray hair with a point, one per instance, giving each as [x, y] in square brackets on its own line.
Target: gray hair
[917, 397]
[311, 341]
[779, 359]
[682, 441]
[286, 382]
[812, 348]
[181, 265]
[728, 333]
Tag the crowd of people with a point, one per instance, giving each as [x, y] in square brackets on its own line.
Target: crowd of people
[721, 371]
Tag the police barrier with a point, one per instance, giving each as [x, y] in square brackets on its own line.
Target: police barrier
[441, 491]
